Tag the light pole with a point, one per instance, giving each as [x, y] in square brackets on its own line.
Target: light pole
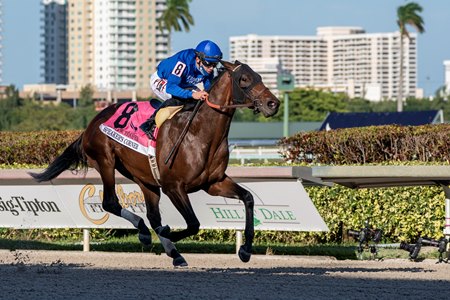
[285, 83]
[286, 115]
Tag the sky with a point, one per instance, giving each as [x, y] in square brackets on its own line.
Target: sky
[218, 20]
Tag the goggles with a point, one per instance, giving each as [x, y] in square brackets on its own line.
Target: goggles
[209, 64]
[205, 63]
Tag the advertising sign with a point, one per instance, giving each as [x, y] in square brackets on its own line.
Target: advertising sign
[279, 205]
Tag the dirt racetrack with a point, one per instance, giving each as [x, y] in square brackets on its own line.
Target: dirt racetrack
[100, 275]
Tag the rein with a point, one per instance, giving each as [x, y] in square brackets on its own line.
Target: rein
[217, 106]
[183, 133]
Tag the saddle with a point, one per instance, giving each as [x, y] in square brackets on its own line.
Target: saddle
[166, 113]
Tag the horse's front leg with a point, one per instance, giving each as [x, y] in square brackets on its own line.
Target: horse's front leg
[230, 189]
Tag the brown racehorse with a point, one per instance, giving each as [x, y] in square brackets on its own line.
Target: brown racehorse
[199, 163]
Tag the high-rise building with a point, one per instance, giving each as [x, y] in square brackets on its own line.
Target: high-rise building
[80, 43]
[268, 68]
[341, 59]
[113, 44]
[54, 41]
[127, 42]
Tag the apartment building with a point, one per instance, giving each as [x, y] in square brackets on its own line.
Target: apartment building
[340, 59]
[112, 44]
[54, 43]
[268, 69]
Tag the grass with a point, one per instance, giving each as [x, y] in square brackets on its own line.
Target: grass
[131, 244]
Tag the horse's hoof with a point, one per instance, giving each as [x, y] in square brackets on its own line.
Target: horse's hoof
[179, 262]
[244, 255]
[145, 239]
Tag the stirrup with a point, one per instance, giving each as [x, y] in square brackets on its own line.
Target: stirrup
[148, 128]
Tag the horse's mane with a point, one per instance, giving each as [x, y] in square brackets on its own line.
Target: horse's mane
[220, 71]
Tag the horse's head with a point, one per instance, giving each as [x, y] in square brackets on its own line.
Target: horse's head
[249, 90]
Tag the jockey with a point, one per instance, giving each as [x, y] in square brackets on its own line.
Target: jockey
[175, 81]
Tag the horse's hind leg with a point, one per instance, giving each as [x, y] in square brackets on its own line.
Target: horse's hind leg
[230, 189]
[111, 202]
[152, 196]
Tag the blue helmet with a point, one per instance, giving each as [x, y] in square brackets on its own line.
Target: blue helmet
[209, 51]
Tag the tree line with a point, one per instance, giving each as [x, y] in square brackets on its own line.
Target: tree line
[28, 114]
[314, 105]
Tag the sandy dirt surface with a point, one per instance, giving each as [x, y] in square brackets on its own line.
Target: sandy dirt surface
[100, 275]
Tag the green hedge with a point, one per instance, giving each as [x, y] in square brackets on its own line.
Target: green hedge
[402, 213]
[374, 144]
[34, 148]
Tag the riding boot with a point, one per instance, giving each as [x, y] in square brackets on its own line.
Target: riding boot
[148, 127]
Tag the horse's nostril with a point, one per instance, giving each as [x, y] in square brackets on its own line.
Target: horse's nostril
[272, 104]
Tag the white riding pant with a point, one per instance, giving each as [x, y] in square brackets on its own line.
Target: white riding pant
[158, 87]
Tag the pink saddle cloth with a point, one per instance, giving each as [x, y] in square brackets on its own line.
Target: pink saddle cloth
[123, 127]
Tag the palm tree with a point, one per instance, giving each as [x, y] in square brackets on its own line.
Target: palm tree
[177, 11]
[407, 15]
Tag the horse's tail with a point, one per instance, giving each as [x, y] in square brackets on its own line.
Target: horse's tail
[73, 158]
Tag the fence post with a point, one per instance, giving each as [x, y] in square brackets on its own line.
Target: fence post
[86, 240]
[238, 240]
[447, 214]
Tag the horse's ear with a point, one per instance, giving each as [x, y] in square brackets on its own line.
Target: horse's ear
[236, 62]
[226, 64]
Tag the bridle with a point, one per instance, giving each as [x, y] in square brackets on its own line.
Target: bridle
[239, 93]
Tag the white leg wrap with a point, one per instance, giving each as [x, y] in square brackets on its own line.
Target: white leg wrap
[167, 244]
[133, 218]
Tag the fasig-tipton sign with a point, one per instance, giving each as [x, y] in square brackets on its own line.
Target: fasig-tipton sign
[278, 206]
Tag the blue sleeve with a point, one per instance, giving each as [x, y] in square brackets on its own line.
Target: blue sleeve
[174, 89]
[174, 70]
[207, 82]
